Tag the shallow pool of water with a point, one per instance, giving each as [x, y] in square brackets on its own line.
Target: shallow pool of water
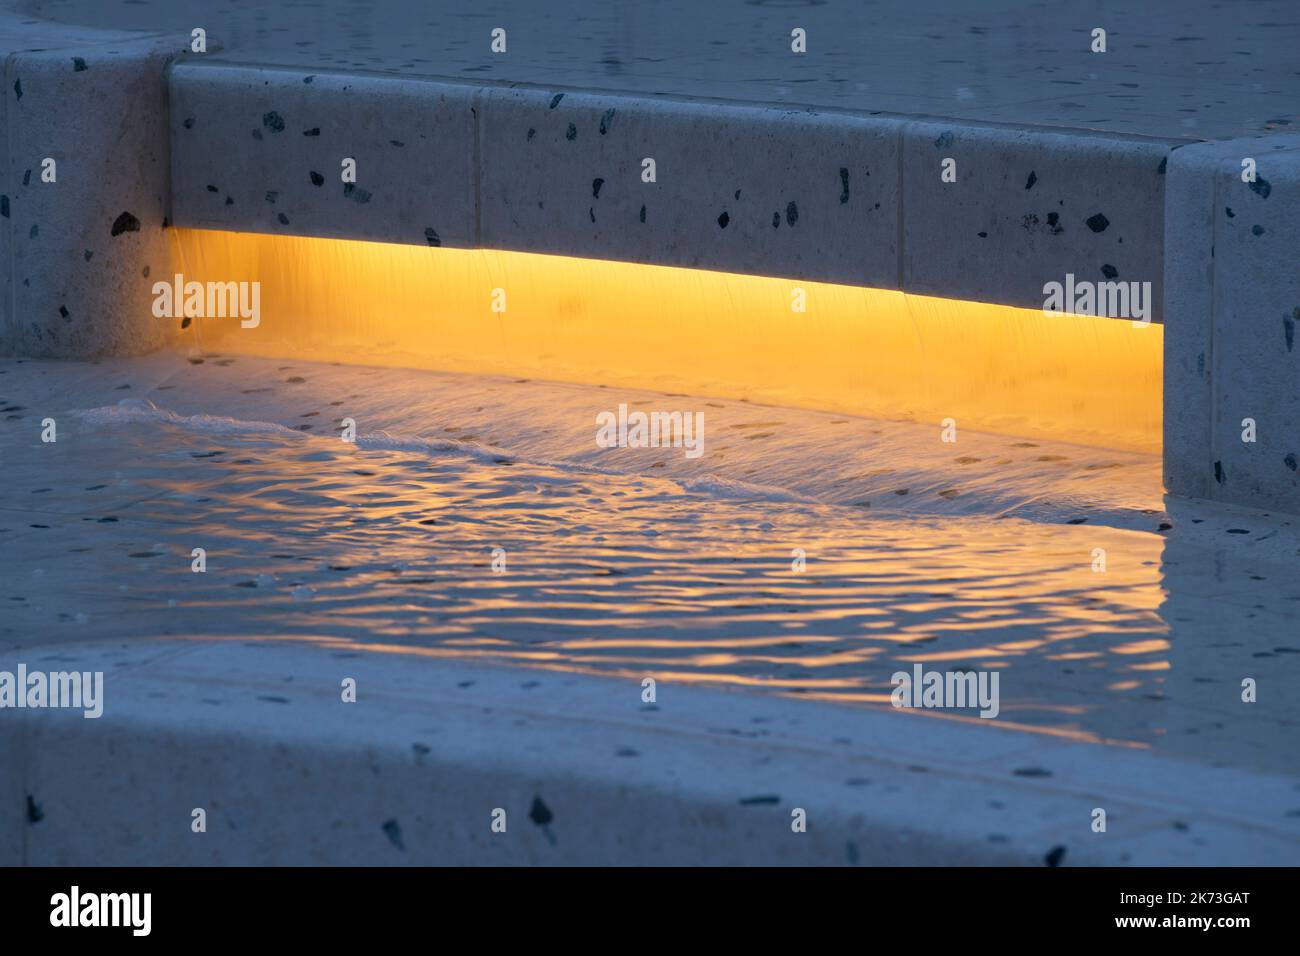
[412, 543]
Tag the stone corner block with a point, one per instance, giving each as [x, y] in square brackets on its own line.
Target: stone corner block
[1232, 359]
[83, 197]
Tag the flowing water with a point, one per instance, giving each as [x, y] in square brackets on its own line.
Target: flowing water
[475, 518]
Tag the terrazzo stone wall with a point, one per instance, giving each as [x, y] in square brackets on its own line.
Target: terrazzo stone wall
[829, 196]
[83, 190]
[1029, 207]
[1232, 358]
[736, 189]
[260, 150]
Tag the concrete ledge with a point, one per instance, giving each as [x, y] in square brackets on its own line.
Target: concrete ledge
[830, 196]
[257, 735]
[738, 189]
[1233, 305]
[260, 150]
[1028, 207]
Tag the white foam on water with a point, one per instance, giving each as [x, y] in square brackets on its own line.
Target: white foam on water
[742, 490]
[386, 441]
[135, 411]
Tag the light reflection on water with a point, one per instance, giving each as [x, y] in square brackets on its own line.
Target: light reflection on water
[311, 539]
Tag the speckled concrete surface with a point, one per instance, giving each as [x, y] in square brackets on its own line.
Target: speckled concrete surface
[260, 151]
[584, 770]
[83, 187]
[821, 196]
[1188, 69]
[1032, 207]
[738, 189]
[1232, 369]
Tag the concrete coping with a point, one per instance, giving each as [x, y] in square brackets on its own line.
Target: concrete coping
[259, 737]
[956, 209]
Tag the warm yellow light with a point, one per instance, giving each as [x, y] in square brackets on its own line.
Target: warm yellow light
[867, 352]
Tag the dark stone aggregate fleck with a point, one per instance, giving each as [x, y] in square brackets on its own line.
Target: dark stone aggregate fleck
[540, 813]
[125, 223]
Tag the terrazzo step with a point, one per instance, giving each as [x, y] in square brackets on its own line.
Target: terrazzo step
[580, 770]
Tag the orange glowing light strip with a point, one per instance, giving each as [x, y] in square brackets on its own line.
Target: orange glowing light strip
[868, 352]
